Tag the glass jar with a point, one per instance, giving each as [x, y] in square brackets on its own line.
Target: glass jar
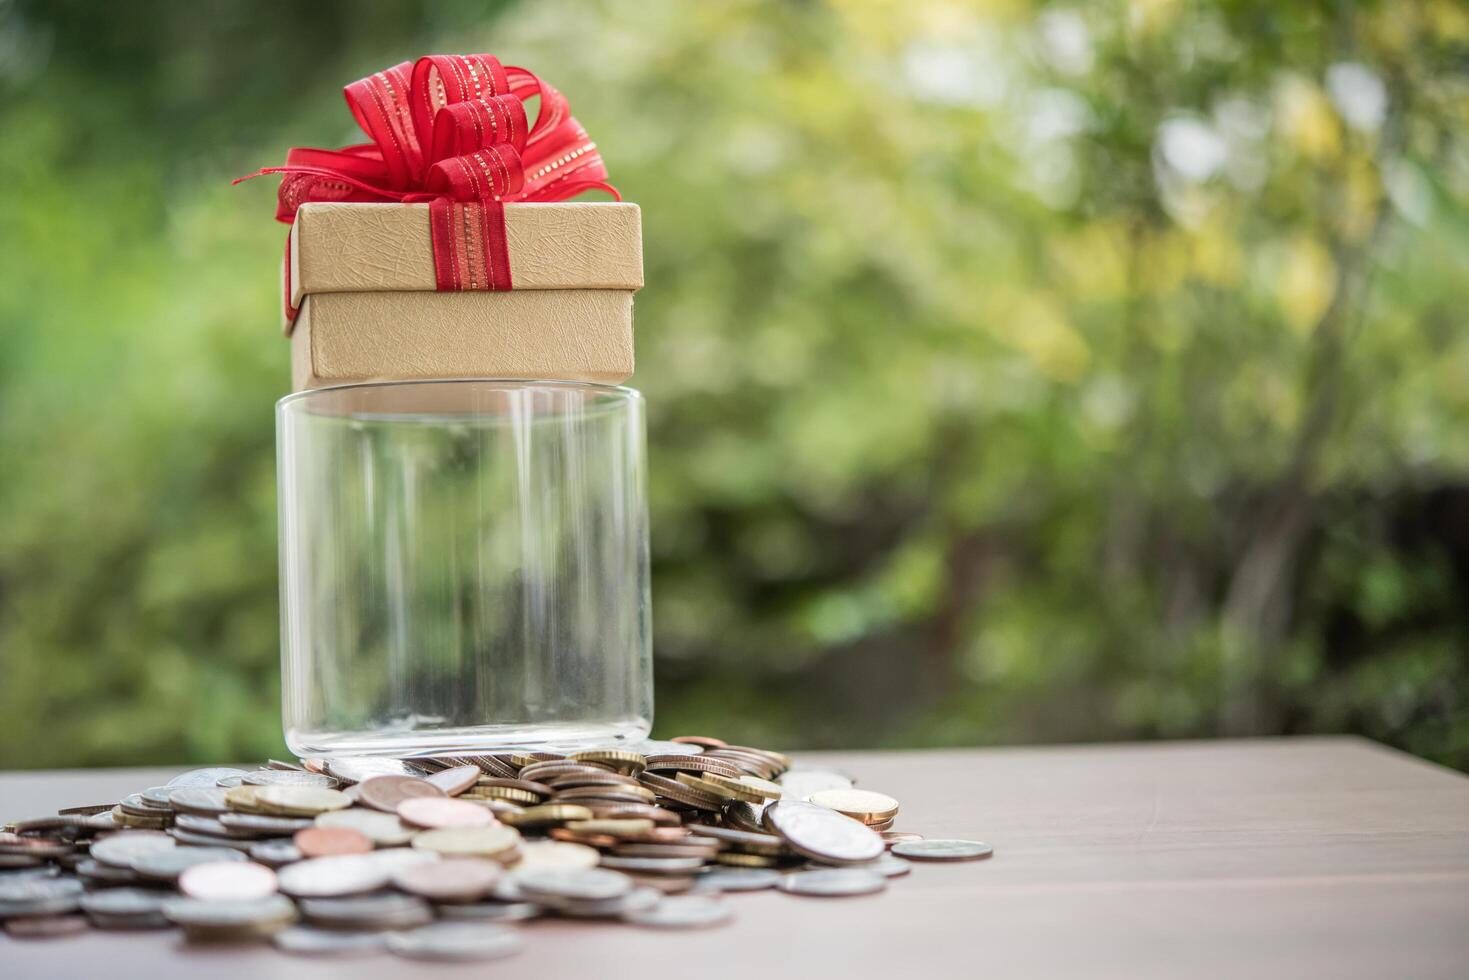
[464, 567]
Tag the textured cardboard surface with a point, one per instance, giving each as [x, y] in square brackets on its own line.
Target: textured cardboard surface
[565, 334]
[386, 248]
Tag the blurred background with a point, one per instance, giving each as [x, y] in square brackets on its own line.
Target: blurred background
[1017, 371]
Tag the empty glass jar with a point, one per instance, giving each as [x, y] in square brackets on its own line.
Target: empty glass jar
[464, 567]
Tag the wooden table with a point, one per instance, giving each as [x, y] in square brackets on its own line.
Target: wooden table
[1290, 858]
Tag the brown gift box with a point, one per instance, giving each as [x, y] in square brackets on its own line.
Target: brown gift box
[362, 277]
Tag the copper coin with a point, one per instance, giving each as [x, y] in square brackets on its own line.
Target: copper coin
[456, 780]
[320, 841]
[658, 835]
[46, 926]
[228, 881]
[581, 837]
[680, 793]
[633, 811]
[386, 792]
[437, 813]
[449, 880]
[574, 779]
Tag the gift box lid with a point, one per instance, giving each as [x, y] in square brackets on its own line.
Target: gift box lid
[340, 248]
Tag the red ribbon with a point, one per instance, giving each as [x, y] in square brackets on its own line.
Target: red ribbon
[451, 130]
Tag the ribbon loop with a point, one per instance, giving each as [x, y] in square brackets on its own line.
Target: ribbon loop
[468, 126]
[451, 127]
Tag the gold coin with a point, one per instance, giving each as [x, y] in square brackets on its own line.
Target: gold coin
[617, 828]
[745, 860]
[557, 854]
[301, 801]
[619, 793]
[124, 819]
[546, 815]
[747, 789]
[769, 790]
[508, 793]
[243, 798]
[704, 786]
[859, 804]
[619, 759]
[492, 841]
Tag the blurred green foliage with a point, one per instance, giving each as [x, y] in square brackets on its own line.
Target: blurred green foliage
[1017, 371]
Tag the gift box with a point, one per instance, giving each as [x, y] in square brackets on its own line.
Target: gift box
[446, 246]
[363, 289]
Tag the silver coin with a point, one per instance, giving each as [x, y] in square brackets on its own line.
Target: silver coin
[388, 911]
[183, 836]
[307, 941]
[577, 884]
[683, 912]
[229, 914]
[355, 770]
[274, 853]
[489, 911]
[261, 825]
[196, 823]
[652, 746]
[833, 882]
[801, 783]
[733, 835]
[284, 766]
[97, 871]
[506, 890]
[38, 896]
[340, 875]
[135, 804]
[169, 864]
[43, 871]
[637, 900]
[206, 801]
[823, 834]
[456, 941]
[334, 876]
[653, 865]
[146, 920]
[383, 829]
[287, 777]
[121, 850]
[124, 902]
[741, 815]
[204, 777]
[157, 795]
[737, 880]
[21, 860]
[891, 867]
[943, 850]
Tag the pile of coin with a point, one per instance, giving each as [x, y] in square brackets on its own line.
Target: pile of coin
[435, 858]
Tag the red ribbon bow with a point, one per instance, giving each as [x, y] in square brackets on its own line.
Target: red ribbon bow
[451, 130]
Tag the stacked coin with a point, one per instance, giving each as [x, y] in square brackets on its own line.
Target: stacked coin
[431, 858]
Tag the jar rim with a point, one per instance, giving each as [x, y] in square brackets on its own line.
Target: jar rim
[617, 392]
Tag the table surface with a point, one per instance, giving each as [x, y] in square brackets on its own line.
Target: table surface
[1294, 858]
